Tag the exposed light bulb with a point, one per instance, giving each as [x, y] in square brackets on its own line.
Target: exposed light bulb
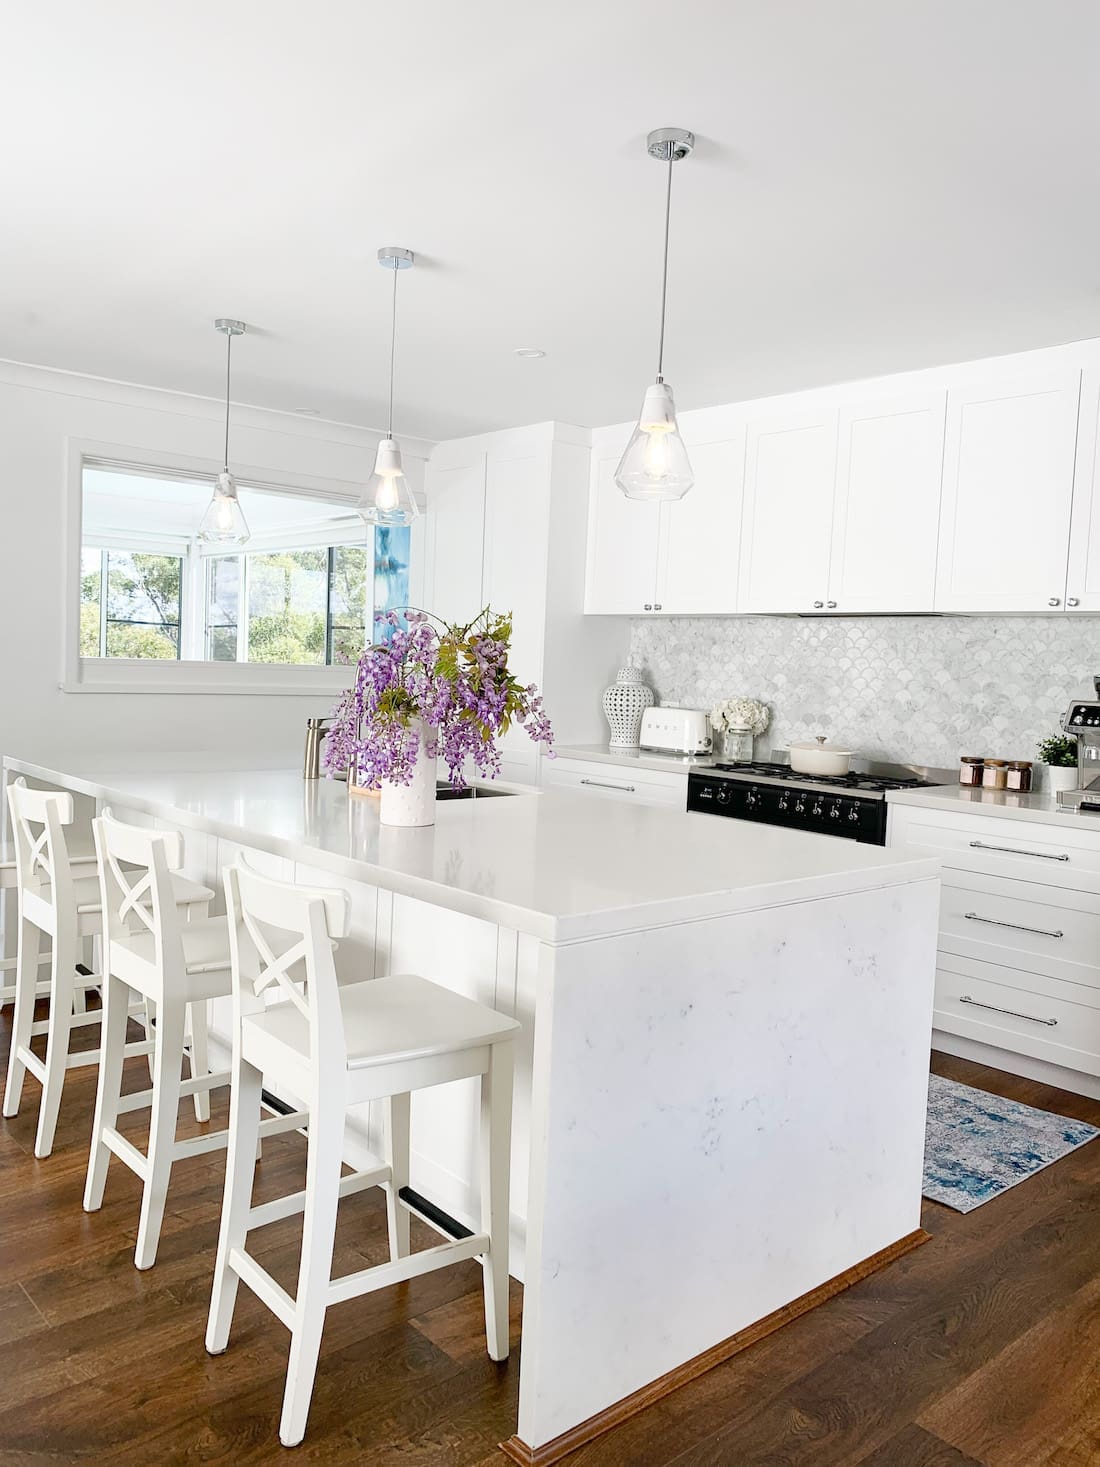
[655, 465]
[224, 522]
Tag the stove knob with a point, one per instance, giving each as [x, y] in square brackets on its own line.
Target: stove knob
[853, 813]
[784, 801]
[800, 806]
[834, 812]
[724, 795]
[817, 808]
[752, 799]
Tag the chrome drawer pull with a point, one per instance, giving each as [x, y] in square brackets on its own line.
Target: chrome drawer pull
[1016, 926]
[981, 845]
[1013, 1013]
[606, 784]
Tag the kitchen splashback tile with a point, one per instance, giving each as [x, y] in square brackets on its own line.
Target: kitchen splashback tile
[921, 689]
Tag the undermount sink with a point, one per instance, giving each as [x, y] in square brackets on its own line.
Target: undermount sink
[444, 791]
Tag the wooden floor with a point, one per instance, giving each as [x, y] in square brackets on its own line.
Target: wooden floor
[981, 1347]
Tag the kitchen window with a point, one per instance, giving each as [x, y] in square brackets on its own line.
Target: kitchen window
[290, 610]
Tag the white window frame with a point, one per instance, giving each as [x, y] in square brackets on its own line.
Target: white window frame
[150, 675]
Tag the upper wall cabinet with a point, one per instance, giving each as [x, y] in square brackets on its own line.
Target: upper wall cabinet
[1007, 493]
[1083, 580]
[790, 465]
[887, 505]
[677, 558]
[456, 553]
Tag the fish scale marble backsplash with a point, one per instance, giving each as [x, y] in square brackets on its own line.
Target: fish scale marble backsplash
[905, 689]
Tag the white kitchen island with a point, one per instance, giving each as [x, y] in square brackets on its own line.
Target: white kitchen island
[721, 1082]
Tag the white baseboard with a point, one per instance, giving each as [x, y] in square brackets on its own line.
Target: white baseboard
[1017, 1064]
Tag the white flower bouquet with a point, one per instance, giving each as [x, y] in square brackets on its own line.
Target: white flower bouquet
[740, 713]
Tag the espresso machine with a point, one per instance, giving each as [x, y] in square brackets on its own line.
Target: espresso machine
[1081, 721]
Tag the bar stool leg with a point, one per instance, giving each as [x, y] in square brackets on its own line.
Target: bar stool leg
[199, 1058]
[397, 1154]
[112, 1049]
[326, 1138]
[240, 1167]
[168, 1057]
[62, 979]
[26, 981]
[496, 1144]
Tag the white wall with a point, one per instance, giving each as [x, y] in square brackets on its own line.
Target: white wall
[39, 412]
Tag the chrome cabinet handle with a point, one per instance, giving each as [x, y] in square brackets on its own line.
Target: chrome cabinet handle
[607, 784]
[1016, 926]
[1014, 1013]
[1054, 601]
[831, 605]
[818, 605]
[648, 606]
[1074, 601]
[981, 845]
[657, 606]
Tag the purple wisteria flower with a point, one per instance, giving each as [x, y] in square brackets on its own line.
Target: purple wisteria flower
[453, 680]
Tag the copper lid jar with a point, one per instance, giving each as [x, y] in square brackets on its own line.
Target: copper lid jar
[1018, 776]
[970, 769]
[994, 774]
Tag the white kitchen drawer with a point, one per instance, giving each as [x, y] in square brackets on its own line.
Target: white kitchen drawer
[1025, 1013]
[1022, 924]
[1052, 855]
[617, 782]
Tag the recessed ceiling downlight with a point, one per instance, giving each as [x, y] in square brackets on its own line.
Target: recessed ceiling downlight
[529, 351]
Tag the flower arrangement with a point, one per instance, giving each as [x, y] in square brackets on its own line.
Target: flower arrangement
[451, 681]
[740, 713]
[1059, 750]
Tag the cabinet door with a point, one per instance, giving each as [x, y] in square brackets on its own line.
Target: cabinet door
[790, 466]
[1083, 581]
[456, 510]
[699, 543]
[622, 546]
[1007, 492]
[886, 514]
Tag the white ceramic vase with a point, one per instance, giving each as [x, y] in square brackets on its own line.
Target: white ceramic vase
[1058, 777]
[412, 803]
[624, 702]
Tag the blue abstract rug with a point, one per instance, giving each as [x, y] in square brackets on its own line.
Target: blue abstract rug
[978, 1145]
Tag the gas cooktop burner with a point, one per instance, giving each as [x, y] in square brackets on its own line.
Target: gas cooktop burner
[871, 784]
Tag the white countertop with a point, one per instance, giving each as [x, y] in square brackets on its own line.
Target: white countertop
[1038, 807]
[558, 866]
[635, 758]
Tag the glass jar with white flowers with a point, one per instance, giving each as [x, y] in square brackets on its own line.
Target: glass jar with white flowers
[736, 722]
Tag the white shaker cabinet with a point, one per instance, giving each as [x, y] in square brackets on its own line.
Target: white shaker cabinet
[1083, 580]
[456, 536]
[1007, 493]
[790, 466]
[886, 509]
[622, 541]
[699, 539]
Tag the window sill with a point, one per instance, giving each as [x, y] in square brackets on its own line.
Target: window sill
[217, 679]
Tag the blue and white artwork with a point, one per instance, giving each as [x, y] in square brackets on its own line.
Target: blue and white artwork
[978, 1145]
[391, 574]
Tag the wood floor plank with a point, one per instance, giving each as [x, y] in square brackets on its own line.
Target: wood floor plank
[915, 1447]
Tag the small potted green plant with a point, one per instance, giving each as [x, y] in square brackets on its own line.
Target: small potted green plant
[1059, 755]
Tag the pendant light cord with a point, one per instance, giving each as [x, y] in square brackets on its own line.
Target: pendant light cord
[393, 348]
[664, 267]
[228, 361]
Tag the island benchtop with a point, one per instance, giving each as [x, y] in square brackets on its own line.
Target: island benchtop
[559, 866]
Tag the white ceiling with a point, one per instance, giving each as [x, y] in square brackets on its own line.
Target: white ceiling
[878, 185]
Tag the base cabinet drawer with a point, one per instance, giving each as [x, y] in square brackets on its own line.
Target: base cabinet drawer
[1021, 924]
[1051, 855]
[617, 782]
[1024, 1013]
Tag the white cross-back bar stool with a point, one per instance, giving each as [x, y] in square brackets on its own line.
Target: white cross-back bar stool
[334, 1046]
[55, 901]
[83, 864]
[176, 966]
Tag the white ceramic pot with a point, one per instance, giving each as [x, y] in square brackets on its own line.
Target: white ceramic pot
[815, 756]
[412, 803]
[1057, 777]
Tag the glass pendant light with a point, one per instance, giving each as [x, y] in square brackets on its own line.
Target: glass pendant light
[388, 499]
[224, 522]
[655, 465]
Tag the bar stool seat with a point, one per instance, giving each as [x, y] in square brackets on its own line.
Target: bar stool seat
[333, 1046]
[205, 943]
